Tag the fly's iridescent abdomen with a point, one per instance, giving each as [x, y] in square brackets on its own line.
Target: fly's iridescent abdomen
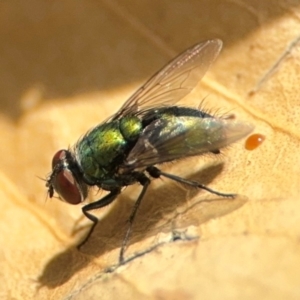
[175, 132]
[184, 126]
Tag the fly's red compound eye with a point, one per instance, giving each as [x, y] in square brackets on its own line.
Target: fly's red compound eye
[66, 186]
[58, 157]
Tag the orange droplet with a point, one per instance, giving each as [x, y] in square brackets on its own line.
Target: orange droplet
[254, 140]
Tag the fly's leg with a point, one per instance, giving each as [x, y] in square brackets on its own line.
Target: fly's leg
[144, 181]
[156, 173]
[94, 205]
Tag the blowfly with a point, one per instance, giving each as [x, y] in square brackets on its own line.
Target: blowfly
[148, 130]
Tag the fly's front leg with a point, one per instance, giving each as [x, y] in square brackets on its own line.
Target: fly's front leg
[144, 181]
[94, 205]
[156, 173]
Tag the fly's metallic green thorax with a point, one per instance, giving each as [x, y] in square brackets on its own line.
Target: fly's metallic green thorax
[149, 129]
[104, 148]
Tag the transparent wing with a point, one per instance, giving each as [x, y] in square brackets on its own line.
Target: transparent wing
[165, 140]
[173, 82]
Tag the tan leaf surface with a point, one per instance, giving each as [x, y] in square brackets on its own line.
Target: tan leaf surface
[67, 65]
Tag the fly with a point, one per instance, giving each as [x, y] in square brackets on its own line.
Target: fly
[148, 130]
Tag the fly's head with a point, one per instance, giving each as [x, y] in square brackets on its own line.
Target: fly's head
[66, 179]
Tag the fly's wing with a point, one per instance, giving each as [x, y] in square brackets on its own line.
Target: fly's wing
[164, 140]
[173, 82]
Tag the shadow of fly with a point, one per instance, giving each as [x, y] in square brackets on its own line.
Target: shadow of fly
[148, 130]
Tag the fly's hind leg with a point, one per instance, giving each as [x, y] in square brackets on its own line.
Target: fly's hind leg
[95, 205]
[156, 173]
[144, 181]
